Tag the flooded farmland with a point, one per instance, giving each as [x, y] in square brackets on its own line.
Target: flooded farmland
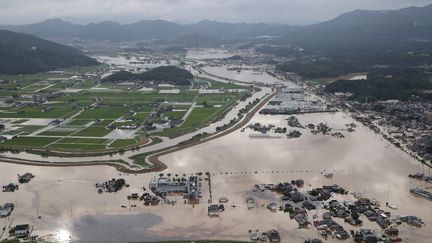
[360, 162]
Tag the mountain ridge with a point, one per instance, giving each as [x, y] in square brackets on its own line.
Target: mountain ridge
[25, 54]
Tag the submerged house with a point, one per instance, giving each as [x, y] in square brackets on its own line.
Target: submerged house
[213, 210]
[25, 178]
[273, 236]
[20, 231]
[6, 209]
[190, 188]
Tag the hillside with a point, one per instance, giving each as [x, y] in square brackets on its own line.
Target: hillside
[145, 29]
[23, 54]
[385, 84]
[363, 27]
[168, 74]
[356, 27]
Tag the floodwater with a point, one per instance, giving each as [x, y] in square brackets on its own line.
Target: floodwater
[359, 77]
[244, 75]
[208, 53]
[136, 61]
[71, 209]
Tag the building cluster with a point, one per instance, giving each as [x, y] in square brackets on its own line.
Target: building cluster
[298, 204]
[296, 101]
[405, 124]
[112, 185]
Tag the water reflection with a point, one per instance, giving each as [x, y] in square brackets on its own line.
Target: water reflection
[115, 228]
[67, 199]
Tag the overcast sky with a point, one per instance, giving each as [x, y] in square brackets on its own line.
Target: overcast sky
[187, 11]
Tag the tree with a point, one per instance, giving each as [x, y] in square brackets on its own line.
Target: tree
[355, 215]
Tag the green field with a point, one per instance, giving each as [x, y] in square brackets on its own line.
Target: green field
[36, 142]
[80, 147]
[33, 112]
[103, 113]
[92, 132]
[86, 112]
[119, 143]
[175, 114]
[56, 132]
[78, 122]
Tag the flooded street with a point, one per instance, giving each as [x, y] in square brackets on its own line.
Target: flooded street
[68, 202]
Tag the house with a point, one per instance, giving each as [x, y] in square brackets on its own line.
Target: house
[21, 231]
[368, 235]
[10, 187]
[273, 236]
[272, 207]
[6, 209]
[25, 178]
[296, 196]
[213, 210]
[308, 205]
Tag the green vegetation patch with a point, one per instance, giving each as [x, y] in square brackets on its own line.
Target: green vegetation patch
[33, 112]
[84, 140]
[57, 132]
[103, 113]
[102, 123]
[175, 114]
[141, 115]
[120, 143]
[79, 122]
[200, 115]
[29, 141]
[92, 132]
[81, 147]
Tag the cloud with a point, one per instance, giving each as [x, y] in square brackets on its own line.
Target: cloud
[272, 11]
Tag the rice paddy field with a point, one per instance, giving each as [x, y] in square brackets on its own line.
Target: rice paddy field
[71, 111]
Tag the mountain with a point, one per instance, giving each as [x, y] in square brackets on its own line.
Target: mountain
[47, 29]
[353, 28]
[23, 54]
[362, 27]
[145, 29]
[411, 15]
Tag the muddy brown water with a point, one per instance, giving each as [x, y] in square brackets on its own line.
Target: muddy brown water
[71, 210]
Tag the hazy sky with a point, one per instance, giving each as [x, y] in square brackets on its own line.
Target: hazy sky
[186, 11]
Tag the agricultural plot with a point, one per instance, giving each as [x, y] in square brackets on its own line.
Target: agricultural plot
[36, 142]
[85, 144]
[92, 132]
[86, 115]
[39, 112]
[79, 122]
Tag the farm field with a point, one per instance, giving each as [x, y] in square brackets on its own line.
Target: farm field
[72, 111]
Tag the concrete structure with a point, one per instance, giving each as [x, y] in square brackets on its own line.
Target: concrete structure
[190, 187]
